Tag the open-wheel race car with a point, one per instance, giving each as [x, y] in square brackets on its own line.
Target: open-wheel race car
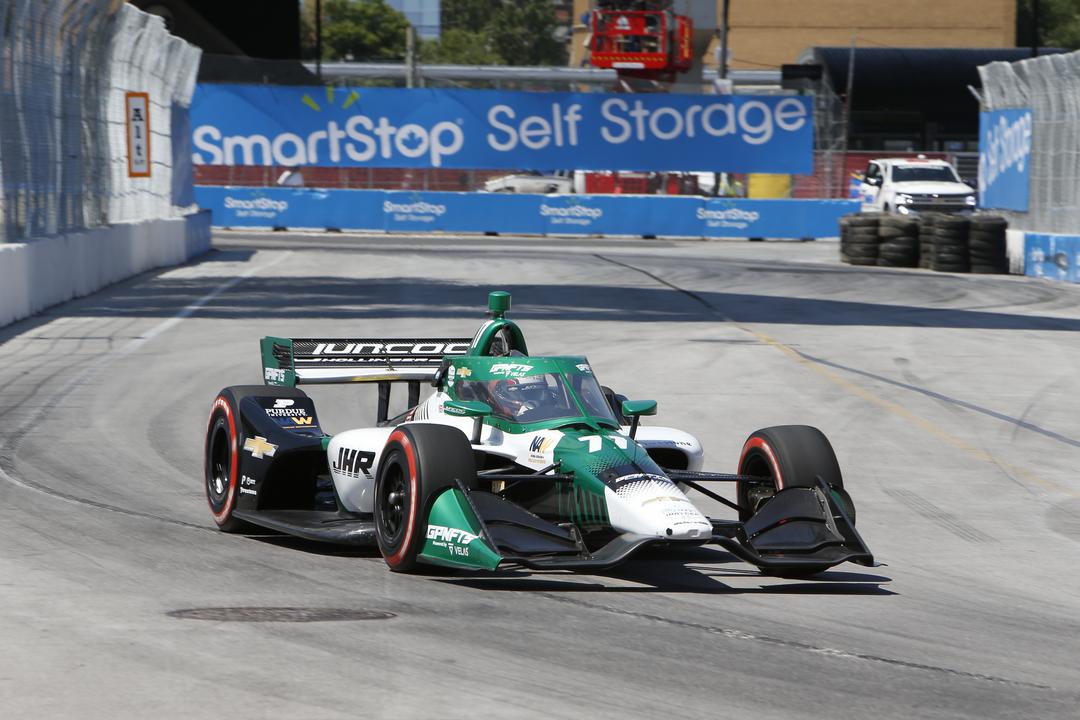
[514, 460]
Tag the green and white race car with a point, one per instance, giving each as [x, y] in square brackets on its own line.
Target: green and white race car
[514, 460]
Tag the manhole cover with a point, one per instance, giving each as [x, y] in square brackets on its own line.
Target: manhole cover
[278, 614]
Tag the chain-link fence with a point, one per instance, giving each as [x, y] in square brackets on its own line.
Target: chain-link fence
[1050, 86]
[65, 67]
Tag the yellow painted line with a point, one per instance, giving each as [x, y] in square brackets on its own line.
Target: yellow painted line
[330, 94]
[353, 97]
[902, 412]
[310, 102]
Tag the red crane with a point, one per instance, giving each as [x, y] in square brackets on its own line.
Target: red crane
[641, 38]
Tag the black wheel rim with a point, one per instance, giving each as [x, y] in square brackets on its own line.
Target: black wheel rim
[393, 502]
[755, 493]
[217, 479]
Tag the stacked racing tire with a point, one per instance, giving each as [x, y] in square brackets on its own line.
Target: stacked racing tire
[859, 238]
[899, 241]
[951, 244]
[986, 244]
[927, 222]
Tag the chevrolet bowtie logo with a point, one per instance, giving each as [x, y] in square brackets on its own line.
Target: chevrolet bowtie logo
[258, 447]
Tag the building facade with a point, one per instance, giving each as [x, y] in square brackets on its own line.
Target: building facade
[768, 33]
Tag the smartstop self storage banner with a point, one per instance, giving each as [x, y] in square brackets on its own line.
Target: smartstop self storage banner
[1004, 159]
[391, 211]
[481, 129]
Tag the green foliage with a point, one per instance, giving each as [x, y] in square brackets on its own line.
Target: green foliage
[497, 32]
[474, 32]
[362, 30]
[1059, 23]
[462, 47]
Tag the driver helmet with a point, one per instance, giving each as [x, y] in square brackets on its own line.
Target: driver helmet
[517, 395]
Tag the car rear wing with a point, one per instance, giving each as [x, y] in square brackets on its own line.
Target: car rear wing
[304, 361]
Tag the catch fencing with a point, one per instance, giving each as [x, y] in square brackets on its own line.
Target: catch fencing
[1050, 87]
[66, 67]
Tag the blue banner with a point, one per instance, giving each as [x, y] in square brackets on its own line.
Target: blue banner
[1004, 159]
[661, 216]
[421, 128]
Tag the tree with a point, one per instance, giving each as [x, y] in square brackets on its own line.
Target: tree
[508, 32]
[461, 47]
[1059, 23]
[357, 30]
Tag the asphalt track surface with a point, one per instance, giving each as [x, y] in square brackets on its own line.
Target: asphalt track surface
[950, 401]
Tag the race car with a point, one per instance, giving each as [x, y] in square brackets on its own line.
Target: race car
[515, 460]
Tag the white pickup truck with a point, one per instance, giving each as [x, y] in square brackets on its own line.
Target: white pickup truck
[910, 185]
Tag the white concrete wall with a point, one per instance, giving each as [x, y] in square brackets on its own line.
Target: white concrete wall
[44, 272]
[1014, 248]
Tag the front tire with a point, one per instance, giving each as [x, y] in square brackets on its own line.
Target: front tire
[224, 438]
[420, 462]
[788, 456]
[783, 457]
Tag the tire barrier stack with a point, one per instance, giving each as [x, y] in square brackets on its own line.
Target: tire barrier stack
[927, 223]
[987, 244]
[859, 238]
[951, 244]
[899, 236]
[937, 241]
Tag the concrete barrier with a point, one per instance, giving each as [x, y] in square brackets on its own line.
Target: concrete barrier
[44, 272]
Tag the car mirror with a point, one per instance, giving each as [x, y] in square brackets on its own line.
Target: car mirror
[469, 408]
[634, 409]
[875, 181]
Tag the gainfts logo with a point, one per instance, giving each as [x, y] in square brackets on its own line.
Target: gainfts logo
[274, 375]
[443, 533]
[510, 370]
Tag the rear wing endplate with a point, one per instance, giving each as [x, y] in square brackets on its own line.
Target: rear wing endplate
[302, 361]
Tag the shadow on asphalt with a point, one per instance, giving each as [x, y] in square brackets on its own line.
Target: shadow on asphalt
[696, 571]
[329, 297]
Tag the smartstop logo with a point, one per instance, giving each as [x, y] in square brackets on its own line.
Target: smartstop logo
[419, 211]
[571, 214]
[256, 207]
[1005, 147]
[728, 218]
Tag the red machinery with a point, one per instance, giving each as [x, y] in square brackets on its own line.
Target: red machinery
[641, 38]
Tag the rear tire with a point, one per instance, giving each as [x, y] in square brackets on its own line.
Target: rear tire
[420, 462]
